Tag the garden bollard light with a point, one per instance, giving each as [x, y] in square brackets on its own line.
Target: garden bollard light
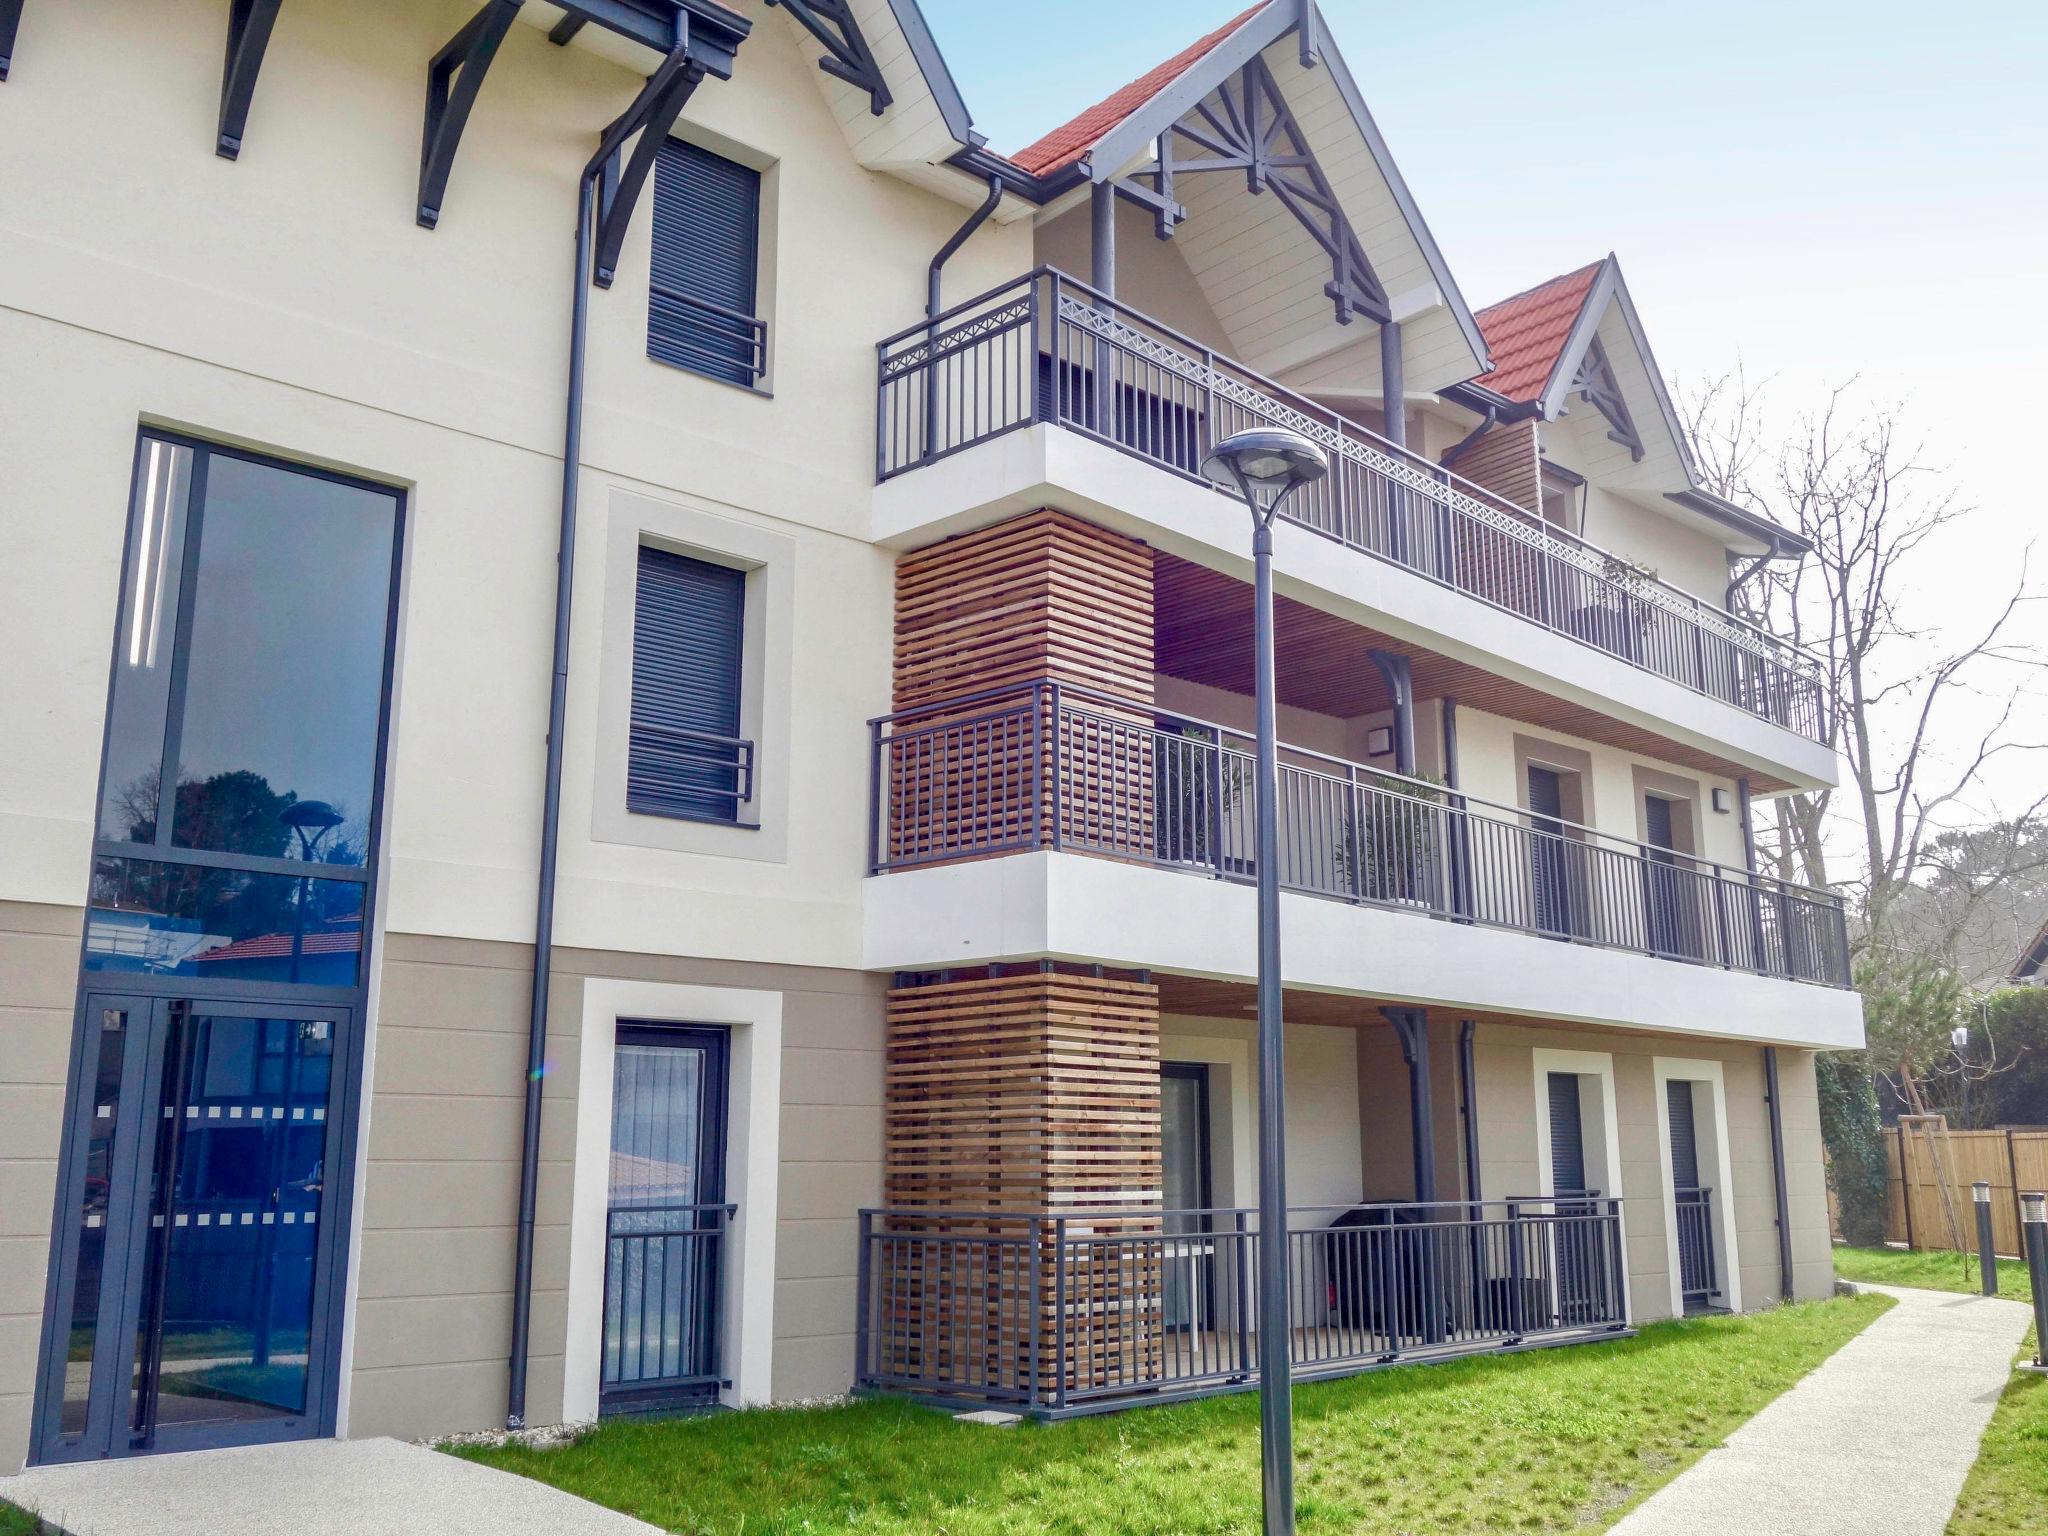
[2034, 1238]
[1987, 1255]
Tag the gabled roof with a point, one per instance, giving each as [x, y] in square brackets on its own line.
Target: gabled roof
[1527, 333]
[2033, 960]
[1075, 137]
[1541, 340]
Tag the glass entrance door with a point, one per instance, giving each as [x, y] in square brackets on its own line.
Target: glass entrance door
[198, 1273]
[665, 1230]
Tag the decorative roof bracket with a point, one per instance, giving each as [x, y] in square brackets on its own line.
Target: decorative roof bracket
[249, 24]
[454, 77]
[696, 38]
[1595, 384]
[10, 23]
[847, 55]
[652, 114]
[1255, 131]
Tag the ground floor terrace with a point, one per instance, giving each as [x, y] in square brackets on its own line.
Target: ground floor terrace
[1024, 1186]
[1070, 1175]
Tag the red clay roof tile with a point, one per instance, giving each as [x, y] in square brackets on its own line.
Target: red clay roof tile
[1526, 333]
[1073, 139]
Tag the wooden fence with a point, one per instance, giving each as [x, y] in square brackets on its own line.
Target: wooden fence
[2010, 1161]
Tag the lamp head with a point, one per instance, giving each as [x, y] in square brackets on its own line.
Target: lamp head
[311, 815]
[1264, 463]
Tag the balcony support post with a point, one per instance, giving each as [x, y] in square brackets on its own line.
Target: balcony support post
[1395, 673]
[1102, 276]
[1393, 384]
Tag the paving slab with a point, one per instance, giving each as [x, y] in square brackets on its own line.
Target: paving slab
[1875, 1442]
[307, 1488]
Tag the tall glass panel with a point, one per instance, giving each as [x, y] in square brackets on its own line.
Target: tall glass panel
[110, 1025]
[145, 637]
[238, 1193]
[284, 665]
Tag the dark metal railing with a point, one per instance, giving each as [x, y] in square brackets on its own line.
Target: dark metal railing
[1047, 348]
[1050, 765]
[1062, 1314]
[1697, 1278]
[672, 770]
[709, 338]
[663, 1299]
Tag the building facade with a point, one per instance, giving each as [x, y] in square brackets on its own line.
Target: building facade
[766, 911]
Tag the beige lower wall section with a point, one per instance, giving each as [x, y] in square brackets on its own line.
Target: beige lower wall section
[434, 1298]
[38, 984]
[1507, 1106]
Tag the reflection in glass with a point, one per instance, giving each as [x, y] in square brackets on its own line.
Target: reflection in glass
[285, 663]
[110, 1030]
[144, 642]
[222, 924]
[238, 1185]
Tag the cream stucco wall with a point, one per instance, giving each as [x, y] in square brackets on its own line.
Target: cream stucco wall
[255, 302]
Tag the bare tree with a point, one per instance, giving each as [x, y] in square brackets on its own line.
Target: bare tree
[1877, 514]
[1920, 716]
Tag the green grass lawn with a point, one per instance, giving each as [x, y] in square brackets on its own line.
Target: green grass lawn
[2007, 1490]
[19, 1522]
[1928, 1271]
[1553, 1440]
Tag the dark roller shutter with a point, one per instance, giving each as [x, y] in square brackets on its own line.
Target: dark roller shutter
[1685, 1158]
[687, 626]
[707, 230]
[1657, 820]
[1546, 794]
[1567, 1142]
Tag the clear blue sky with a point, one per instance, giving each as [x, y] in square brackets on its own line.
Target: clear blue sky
[1816, 189]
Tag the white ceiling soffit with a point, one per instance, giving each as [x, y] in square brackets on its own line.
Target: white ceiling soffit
[1262, 273]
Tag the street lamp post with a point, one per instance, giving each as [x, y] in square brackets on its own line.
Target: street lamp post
[1263, 466]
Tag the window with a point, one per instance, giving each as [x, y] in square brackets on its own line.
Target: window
[707, 238]
[685, 757]
[245, 719]
[1562, 492]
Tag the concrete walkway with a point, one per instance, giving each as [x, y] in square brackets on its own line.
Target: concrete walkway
[308, 1488]
[1876, 1442]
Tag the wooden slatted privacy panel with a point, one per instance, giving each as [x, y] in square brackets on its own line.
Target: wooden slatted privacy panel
[1042, 598]
[1020, 1096]
[2007, 1160]
[1506, 461]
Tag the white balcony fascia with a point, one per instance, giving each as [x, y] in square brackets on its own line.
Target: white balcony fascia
[1105, 912]
[1044, 465]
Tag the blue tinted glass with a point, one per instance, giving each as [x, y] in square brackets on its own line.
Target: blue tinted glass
[277, 739]
[222, 924]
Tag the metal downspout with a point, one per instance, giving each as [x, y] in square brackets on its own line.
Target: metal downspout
[959, 238]
[932, 306]
[1778, 1173]
[551, 810]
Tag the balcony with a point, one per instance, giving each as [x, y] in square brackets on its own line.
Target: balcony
[1054, 1316]
[1056, 767]
[1047, 350]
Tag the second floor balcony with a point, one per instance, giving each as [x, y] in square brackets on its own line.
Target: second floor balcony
[1056, 767]
[1047, 350]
